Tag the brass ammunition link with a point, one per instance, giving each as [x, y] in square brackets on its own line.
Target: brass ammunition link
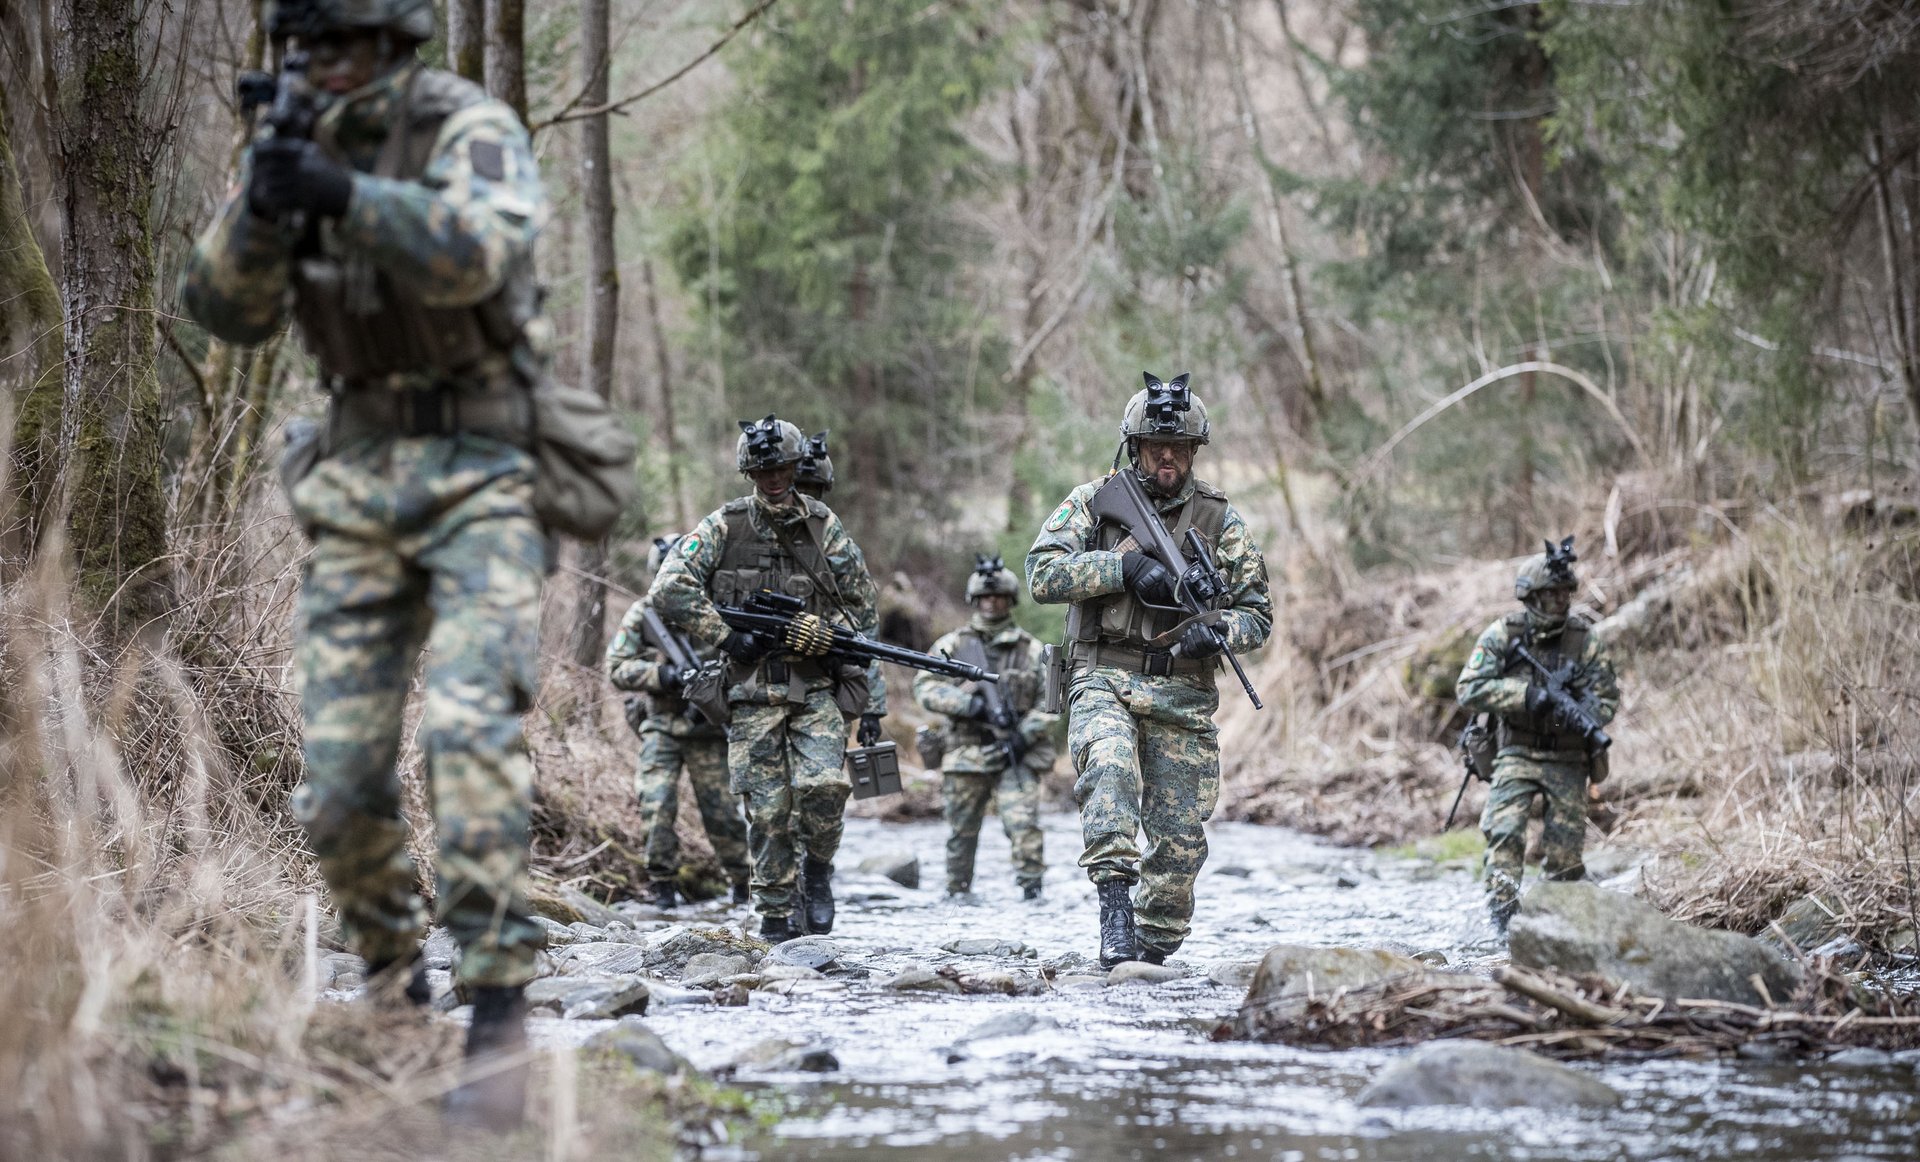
[808, 636]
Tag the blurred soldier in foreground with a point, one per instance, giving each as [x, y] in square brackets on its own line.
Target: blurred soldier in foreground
[787, 737]
[814, 476]
[997, 737]
[1139, 670]
[673, 736]
[396, 223]
[1547, 679]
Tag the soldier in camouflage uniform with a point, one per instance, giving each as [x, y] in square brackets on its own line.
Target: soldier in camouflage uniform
[1140, 719]
[672, 736]
[982, 761]
[786, 743]
[814, 477]
[400, 239]
[1538, 755]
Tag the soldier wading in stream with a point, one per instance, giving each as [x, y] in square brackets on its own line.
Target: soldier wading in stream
[674, 736]
[787, 737]
[397, 226]
[1140, 717]
[1539, 754]
[984, 757]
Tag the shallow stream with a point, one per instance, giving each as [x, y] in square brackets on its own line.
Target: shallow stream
[1129, 1072]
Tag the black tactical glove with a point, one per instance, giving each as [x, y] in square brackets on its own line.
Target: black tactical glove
[292, 173]
[746, 647]
[1197, 641]
[1539, 698]
[1146, 578]
[977, 708]
[869, 732]
[669, 678]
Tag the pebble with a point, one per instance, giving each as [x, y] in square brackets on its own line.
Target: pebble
[987, 946]
[1017, 1024]
[920, 978]
[641, 1046]
[1140, 972]
[811, 952]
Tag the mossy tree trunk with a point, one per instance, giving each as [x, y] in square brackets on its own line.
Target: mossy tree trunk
[603, 292]
[109, 448]
[29, 362]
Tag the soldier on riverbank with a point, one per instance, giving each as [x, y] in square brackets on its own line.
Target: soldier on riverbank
[399, 236]
[1540, 754]
[672, 737]
[789, 713]
[998, 742]
[1140, 713]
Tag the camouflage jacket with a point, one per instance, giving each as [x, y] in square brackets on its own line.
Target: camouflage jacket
[1015, 655]
[452, 237]
[683, 589]
[1062, 568]
[1495, 682]
[634, 666]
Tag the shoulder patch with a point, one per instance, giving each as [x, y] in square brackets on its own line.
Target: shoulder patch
[1478, 659]
[489, 161]
[1060, 516]
[690, 546]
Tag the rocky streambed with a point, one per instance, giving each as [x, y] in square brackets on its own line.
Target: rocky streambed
[981, 1030]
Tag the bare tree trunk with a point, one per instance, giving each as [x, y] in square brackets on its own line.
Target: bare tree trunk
[467, 38]
[29, 364]
[863, 443]
[110, 420]
[506, 60]
[603, 293]
[669, 429]
[1903, 312]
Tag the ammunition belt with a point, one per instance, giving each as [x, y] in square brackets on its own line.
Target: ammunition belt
[1152, 663]
[438, 410]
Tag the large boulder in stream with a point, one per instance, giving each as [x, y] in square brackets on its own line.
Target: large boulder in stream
[1290, 971]
[1487, 1077]
[1577, 928]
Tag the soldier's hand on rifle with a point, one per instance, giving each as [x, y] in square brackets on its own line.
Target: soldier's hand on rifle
[869, 732]
[1002, 717]
[1539, 698]
[977, 707]
[1198, 641]
[746, 647]
[292, 173]
[1146, 578]
[669, 678]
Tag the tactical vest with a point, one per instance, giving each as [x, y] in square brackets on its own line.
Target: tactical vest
[363, 326]
[1114, 630]
[1019, 685]
[1536, 731]
[796, 565]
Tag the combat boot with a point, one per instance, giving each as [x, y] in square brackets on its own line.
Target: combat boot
[1152, 955]
[741, 893]
[493, 1090]
[1501, 911]
[1119, 942]
[1030, 891]
[392, 981]
[777, 929]
[819, 897]
[661, 894]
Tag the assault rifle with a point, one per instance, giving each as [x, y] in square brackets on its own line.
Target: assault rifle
[1563, 705]
[1198, 585]
[672, 646]
[1000, 716]
[289, 99]
[784, 620]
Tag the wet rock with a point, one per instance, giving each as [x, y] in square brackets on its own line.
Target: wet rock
[585, 931]
[1015, 1024]
[1233, 973]
[732, 996]
[813, 952]
[987, 946]
[1806, 924]
[640, 1046]
[568, 905]
[601, 957]
[710, 968]
[1432, 957]
[1578, 928]
[788, 972]
[666, 994]
[1233, 869]
[1003, 983]
[1080, 981]
[1140, 972]
[557, 934]
[669, 949]
[1067, 962]
[1298, 969]
[901, 867]
[920, 979]
[780, 1055]
[335, 967]
[589, 997]
[439, 949]
[1469, 1073]
[1861, 1057]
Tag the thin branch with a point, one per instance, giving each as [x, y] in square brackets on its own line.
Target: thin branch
[620, 106]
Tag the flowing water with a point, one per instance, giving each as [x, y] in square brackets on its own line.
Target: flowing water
[1130, 1072]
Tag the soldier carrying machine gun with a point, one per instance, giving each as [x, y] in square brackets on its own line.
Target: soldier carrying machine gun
[783, 621]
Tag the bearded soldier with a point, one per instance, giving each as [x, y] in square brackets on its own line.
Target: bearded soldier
[1140, 715]
[786, 740]
[673, 736]
[985, 757]
[814, 477]
[1542, 753]
[400, 238]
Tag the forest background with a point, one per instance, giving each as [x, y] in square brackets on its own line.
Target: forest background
[1452, 276]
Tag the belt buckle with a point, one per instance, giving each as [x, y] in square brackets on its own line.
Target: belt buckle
[1156, 663]
[427, 411]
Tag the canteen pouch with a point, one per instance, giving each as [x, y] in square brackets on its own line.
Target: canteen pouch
[706, 691]
[875, 770]
[1053, 677]
[930, 742]
[583, 462]
[851, 690]
[1478, 746]
[1599, 768]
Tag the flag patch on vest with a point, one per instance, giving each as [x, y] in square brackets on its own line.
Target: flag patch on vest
[691, 547]
[1060, 517]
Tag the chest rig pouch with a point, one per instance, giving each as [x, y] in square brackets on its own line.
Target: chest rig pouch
[794, 563]
[1114, 630]
[1537, 731]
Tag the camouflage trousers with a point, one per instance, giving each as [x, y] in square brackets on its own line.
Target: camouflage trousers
[966, 797]
[786, 761]
[422, 545]
[1517, 779]
[657, 785]
[1147, 755]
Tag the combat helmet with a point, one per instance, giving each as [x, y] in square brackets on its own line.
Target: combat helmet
[1164, 411]
[991, 577]
[1552, 569]
[662, 546]
[412, 19]
[816, 467]
[768, 443]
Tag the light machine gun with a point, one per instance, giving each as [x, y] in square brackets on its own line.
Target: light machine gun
[783, 619]
[1198, 586]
